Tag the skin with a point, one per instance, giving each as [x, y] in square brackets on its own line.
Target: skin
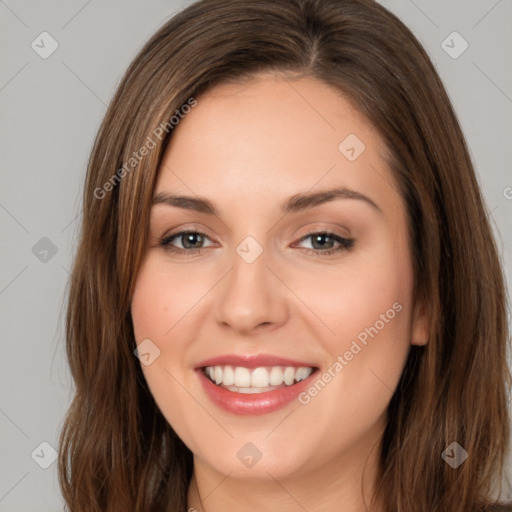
[247, 148]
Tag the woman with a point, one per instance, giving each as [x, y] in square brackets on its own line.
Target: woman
[286, 294]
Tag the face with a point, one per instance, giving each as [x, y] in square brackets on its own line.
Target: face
[299, 308]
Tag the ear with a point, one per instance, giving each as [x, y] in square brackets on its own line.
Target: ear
[420, 331]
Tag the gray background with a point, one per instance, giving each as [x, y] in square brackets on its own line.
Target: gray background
[50, 111]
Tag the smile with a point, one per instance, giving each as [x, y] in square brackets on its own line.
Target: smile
[253, 385]
[257, 380]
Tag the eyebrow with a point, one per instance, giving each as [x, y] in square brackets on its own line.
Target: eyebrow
[295, 203]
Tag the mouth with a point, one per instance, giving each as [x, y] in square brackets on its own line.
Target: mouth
[251, 385]
[240, 379]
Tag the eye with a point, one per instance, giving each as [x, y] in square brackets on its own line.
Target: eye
[324, 243]
[191, 241]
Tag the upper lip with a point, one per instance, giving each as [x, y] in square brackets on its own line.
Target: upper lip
[252, 361]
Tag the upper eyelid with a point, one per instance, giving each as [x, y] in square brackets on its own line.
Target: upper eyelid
[337, 237]
[178, 234]
[331, 230]
[310, 233]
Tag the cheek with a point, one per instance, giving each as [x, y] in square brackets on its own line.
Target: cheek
[153, 319]
[368, 308]
[154, 315]
[370, 297]
[161, 298]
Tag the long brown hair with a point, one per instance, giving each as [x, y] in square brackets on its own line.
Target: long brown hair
[117, 451]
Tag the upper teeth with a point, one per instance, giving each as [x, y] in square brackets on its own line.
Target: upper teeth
[261, 377]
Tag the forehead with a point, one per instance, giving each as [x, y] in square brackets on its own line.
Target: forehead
[271, 138]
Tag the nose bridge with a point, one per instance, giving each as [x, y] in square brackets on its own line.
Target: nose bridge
[251, 294]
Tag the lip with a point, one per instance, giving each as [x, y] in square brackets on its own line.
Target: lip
[252, 361]
[243, 404]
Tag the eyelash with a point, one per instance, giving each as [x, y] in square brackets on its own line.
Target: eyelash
[346, 244]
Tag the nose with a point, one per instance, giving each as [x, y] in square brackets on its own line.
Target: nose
[251, 297]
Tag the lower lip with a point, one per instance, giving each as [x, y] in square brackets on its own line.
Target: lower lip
[252, 404]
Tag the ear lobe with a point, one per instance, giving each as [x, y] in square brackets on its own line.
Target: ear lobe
[420, 329]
